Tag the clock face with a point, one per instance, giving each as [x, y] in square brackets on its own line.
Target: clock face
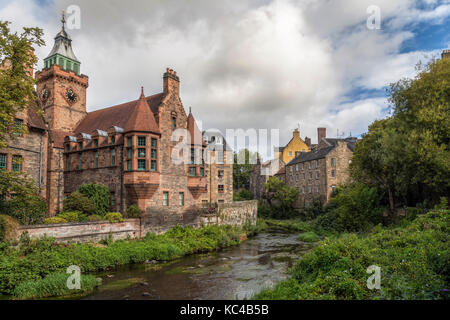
[45, 94]
[71, 96]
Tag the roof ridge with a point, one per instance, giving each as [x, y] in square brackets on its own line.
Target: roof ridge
[124, 103]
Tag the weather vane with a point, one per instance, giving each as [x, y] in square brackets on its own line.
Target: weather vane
[63, 20]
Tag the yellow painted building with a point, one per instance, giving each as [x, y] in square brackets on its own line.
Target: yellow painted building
[294, 147]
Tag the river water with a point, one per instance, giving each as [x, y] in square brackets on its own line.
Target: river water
[233, 273]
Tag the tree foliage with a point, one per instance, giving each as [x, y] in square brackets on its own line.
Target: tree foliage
[244, 162]
[407, 155]
[79, 202]
[280, 196]
[16, 82]
[99, 194]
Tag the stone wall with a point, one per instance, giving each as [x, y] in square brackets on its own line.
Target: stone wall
[157, 221]
[86, 231]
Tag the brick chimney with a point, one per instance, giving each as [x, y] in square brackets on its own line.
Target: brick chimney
[171, 82]
[321, 133]
[446, 54]
[308, 141]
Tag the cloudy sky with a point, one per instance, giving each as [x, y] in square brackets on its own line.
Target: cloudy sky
[249, 63]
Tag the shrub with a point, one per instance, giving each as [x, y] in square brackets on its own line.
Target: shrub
[114, 217]
[95, 217]
[99, 194]
[242, 195]
[8, 228]
[54, 285]
[71, 216]
[312, 211]
[308, 237]
[134, 211]
[55, 220]
[79, 202]
[27, 209]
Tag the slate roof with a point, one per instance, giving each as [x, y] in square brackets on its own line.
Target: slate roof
[121, 115]
[312, 155]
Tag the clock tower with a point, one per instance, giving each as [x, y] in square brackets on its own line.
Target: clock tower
[61, 91]
[61, 88]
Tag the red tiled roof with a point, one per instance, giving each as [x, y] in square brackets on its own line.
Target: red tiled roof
[194, 131]
[141, 118]
[120, 115]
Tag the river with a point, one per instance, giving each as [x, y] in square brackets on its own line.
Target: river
[233, 273]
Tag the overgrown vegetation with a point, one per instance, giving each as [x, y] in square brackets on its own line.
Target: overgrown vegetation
[134, 211]
[280, 197]
[242, 195]
[413, 258]
[33, 260]
[54, 285]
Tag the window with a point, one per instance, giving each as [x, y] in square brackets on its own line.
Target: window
[204, 203]
[221, 201]
[290, 169]
[165, 198]
[296, 177]
[113, 140]
[296, 167]
[202, 172]
[317, 174]
[303, 167]
[141, 165]
[129, 153]
[220, 174]
[202, 159]
[95, 143]
[18, 127]
[67, 147]
[113, 157]
[310, 175]
[303, 189]
[310, 189]
[154, 143]
[141, 153]
[309, 165]
[154, 154]
[192, 172]
[113, 200]
[3, 161]
[130, 141]
[67, 162]
[221, 188]
[318, 188]
[129, 165]
[181, 198]
[142, 141]
[174, 123]
[17, 163]
[153, 165]
[333, 188]
[317, 164]
[192, 156]
[290, 179]
[96, 159]
[80, 161]
[333, 173]
[333, 162]
[80, 145]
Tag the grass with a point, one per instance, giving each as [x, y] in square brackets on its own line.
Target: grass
[34, 260]
[53, 285]
[413, 257]
[309, 236]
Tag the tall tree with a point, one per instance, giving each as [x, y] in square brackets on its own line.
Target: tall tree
[16, 80]
[408, 154]
[244, 161]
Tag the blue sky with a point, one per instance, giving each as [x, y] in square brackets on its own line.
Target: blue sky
[250, 64]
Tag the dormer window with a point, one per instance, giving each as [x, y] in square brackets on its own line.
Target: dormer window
[95, 143]
[113, 140]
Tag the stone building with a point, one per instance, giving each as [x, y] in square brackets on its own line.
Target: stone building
[317, 173]
[147, 151]
[293, 147]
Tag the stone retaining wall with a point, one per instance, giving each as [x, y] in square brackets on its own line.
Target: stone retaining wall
[236, 214]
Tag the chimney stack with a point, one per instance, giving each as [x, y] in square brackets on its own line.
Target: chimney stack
[445, 54]
[321, 133]
[171, 83]
[308, 141]
[296, 133]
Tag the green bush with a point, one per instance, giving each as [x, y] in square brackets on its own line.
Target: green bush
[134, 211]
[412, 213]
[79, 202]
[114, 217]
[54, 285]
[8, 228]
[99, 194]
[312, 211]
[242, 195]
[95, 217]
[71, 216]
[308, 237]
[27, 209]
[55, 220]
[413, 261]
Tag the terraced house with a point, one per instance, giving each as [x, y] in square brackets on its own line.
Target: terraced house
[317, 173]
[127, 147]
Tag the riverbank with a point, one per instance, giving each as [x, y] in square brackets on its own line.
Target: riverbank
[34, 260]
[413, 257]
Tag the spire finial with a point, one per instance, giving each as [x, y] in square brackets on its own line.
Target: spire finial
[142, 92]
[63, 20]
[190, 110]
